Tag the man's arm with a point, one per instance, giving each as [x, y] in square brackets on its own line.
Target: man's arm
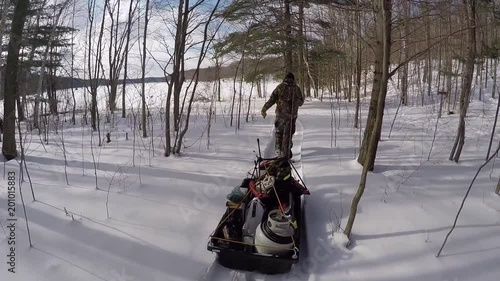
[300, 96]
[272, 100]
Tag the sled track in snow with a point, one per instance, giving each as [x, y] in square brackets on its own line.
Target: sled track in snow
[216, 272]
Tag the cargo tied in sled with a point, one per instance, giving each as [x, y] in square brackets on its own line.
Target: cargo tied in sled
[264, 220]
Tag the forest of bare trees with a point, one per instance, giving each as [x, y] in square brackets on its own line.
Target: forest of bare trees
[350, 50]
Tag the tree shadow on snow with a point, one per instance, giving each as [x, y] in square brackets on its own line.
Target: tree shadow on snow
[324, 208]
[360, 237]
[141, 258]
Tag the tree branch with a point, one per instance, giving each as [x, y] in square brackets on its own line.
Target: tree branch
[465, 197]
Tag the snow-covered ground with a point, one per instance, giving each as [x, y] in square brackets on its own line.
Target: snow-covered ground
[150, 217]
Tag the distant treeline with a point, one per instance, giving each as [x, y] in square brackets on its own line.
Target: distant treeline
[29, 82]
[66, 83]
[206, 74]
[265, 66]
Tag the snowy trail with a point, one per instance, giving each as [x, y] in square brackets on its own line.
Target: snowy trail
[216, 272]
[161, 210]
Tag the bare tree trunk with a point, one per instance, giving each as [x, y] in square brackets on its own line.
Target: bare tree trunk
[288, 38]
[259, 88]
[177, 77]
[382, 9]
[351, 65]
[178, 73]
[97, 74]
[440, 59]
[212, 109]
[480, 66]
[143, 77]
[308, 76]
[422, 91]
[73, 118]
[404, 76]
[366, 82]
[240, 99]
[488, 64]
[249, 102]
[301, 46]
[358, 69]
[493, 129]
[115, 51]
[449, 77]
[470, 15]
[310, 79]
[95, 69]
[112, 86]
[370, 120]
[3, 19]
[459, 69]
[9, 150]
[168, 143]
[385, 36]
[217, 77]
[51, 91]
[495, 68]
[19, 105]
[234, 88]
[349, 83]
[429, 54]
[131, 11]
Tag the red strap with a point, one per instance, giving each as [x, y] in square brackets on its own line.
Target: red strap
[252, 187]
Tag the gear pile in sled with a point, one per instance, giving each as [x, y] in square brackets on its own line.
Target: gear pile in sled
[261, 228]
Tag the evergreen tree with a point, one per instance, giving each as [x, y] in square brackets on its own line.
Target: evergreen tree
[37, 33]
[9, 149]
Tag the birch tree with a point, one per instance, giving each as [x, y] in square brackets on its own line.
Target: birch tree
[383, 14]
[470, 16]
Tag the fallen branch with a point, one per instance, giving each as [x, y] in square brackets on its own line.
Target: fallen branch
[465, 197]
[109, 188]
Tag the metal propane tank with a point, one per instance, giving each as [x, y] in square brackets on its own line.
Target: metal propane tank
[274, 236]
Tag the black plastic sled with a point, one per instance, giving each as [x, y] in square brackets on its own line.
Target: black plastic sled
[264, 219]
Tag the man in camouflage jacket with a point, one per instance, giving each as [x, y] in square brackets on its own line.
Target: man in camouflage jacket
[288, 98]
